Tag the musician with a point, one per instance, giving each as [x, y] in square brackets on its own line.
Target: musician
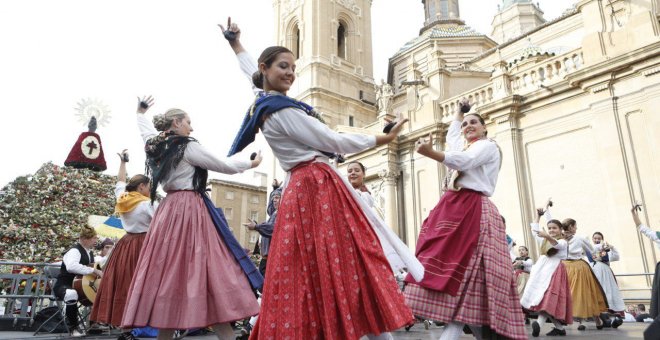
[76, 261]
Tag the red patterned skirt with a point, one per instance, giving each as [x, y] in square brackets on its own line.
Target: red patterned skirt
[557, 298]
[186, 276]
[327, 275]
[487, 295]
[111, 298]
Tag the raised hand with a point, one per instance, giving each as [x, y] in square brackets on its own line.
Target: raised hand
[144, 103]
[424, 146]
[232, 32]
[123, 156]
[257, 159]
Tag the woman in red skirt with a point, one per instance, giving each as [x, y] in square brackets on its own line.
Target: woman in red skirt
[548, 293]
[327, 275]
[462, 244]
[192, 272]
[135, 211]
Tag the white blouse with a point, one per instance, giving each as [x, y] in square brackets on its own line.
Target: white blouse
[136, 221]
[296, 137]
[181, 178]
[650, 234]
[578, 246]
[612, 255]
[479, 164]
[560, 246]
[366, 197]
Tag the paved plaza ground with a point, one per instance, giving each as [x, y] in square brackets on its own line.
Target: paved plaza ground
[626, 331]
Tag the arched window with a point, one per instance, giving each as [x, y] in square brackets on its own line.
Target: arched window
[341, 40]
[293, 40]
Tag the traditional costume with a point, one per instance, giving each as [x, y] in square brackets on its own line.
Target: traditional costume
[605, 276]
[654, 236]
[135, 211]
[398, 255]
[521, 272]
[588, 296]
[192, 272]
[327, 275]
[548, 292]
[76, 261]
[265, 230]
[462, 245]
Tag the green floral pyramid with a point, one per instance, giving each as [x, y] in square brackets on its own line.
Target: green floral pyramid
[41, 214]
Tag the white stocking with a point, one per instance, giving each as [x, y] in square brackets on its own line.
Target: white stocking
[452, 331]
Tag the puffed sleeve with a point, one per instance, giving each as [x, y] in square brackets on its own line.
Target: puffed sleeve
[120, 187]
[248, 66]
[481, 152]
[197, 155]
[454, 139]
[147, 129]
[311, 132]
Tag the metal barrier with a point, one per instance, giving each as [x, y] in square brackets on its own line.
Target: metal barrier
[24, 295]
[646, 289]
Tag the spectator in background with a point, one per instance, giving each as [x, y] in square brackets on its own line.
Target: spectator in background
[641, 313]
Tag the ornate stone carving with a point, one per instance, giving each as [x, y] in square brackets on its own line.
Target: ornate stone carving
[289, 6]
[350, 4]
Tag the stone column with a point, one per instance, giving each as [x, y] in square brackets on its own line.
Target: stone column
[389, 178]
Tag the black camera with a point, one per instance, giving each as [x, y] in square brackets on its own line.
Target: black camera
[253, 156]
[144, 105]
[124, 157]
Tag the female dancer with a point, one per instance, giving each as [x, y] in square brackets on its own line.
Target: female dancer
[547, 292]
[327, 275]
[462, 244]
[135, 211]
[655, 237]
[522, 265]
[588, 297]
[397, 253]
[600, 260]
[192, 272]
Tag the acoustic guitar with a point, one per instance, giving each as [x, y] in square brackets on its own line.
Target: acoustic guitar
[86, 286]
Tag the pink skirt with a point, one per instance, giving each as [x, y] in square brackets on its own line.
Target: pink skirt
[557, 298]
[487, 295]
[327, 275]
[186, 277]
[111, 298]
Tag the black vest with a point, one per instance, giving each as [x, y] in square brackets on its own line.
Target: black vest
[66, 278]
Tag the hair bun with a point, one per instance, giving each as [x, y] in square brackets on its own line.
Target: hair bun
[258, 79]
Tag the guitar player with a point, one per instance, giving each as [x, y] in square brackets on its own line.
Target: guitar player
[76, 261]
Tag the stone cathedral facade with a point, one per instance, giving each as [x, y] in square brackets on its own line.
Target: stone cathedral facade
[573, 103]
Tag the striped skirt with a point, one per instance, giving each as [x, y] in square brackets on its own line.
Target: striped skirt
[487, 295]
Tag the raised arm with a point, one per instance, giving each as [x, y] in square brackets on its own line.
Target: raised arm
[248, 65]
[644, 229]
[197, 155]
[311, 132]
[123, 156]
[146, 127]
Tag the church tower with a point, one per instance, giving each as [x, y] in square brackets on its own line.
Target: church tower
[515, 18]
[331, 40]
[440, 12]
